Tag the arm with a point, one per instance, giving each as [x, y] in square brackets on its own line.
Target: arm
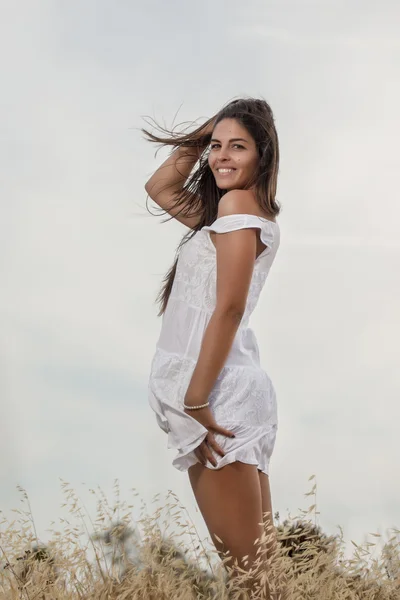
[215, 347]
[236, 253]
[166, 184]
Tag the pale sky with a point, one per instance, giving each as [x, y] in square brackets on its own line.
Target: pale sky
[82, 259]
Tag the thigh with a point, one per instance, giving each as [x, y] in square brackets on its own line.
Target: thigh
[230, 502]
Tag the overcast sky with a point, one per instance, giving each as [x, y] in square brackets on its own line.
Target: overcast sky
[82, 259]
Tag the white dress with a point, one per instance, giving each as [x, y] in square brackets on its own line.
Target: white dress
[243, 398]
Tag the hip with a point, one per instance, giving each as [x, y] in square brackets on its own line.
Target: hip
[239, 392]
[244, 395]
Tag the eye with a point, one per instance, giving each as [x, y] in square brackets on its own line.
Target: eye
[234, 145]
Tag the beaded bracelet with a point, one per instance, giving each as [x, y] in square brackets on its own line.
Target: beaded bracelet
[196, 407]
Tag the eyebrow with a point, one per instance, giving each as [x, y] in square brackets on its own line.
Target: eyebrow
[231, 140]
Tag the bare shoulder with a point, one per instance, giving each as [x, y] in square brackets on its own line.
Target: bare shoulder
[235, 202]
[240, 202]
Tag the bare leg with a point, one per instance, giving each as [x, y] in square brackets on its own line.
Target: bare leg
[269, 521]
[266, 501]
[230, 501]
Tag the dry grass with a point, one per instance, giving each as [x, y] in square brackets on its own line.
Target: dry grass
[147, 561]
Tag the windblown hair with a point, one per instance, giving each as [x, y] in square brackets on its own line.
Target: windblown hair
[200, 195]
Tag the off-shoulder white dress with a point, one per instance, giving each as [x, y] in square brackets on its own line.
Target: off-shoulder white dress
[243, 398]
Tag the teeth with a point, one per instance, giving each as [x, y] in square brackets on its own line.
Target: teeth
[225, 170]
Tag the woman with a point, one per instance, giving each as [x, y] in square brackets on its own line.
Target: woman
[206, 384]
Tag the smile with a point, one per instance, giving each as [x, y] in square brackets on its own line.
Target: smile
[225, 170]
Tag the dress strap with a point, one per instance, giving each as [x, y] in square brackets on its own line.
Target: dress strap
[268, 228]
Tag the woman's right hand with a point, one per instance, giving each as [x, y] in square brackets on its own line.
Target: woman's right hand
[203, 450]
[204, 132]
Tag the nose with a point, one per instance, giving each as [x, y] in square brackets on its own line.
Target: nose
[223, 154]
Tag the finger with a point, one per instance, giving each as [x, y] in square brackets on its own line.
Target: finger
[208, 454]
[200, 456]
[227, 432]
[214, 445]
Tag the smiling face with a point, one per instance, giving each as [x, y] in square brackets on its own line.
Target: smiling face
[233, 156]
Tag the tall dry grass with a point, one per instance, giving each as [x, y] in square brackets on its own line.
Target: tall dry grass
[161, 556]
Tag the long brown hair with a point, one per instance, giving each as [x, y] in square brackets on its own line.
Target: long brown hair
[200, 195]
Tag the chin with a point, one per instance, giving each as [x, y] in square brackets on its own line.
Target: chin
[229, 185]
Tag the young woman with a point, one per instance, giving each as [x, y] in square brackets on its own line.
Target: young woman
[206, 385]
